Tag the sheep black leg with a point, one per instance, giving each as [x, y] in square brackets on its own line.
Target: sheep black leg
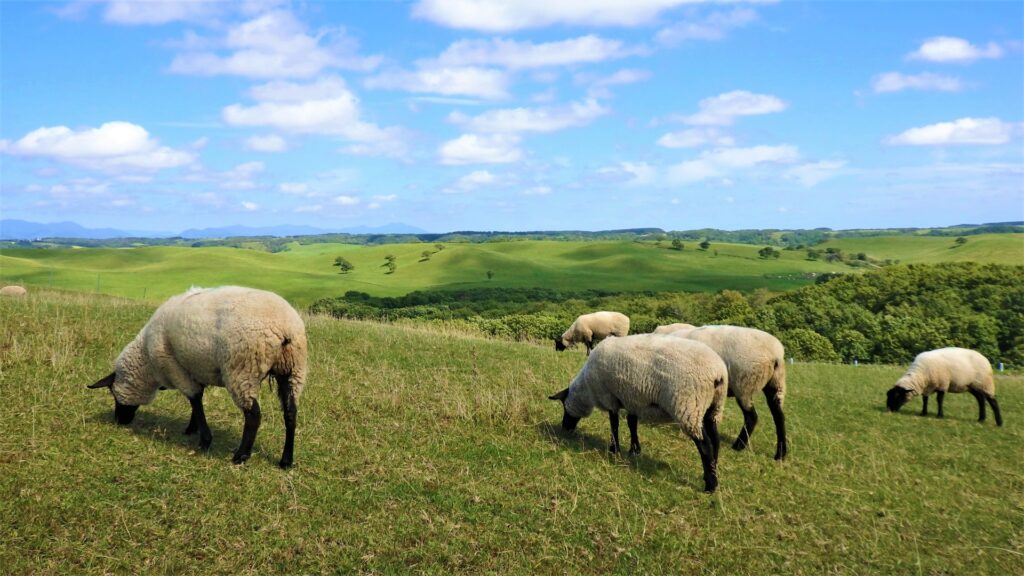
[775, 405]
[290, 410]
[252, 424]
[711, 429]
[924, 405]
[706, 448]
[613, 419]
[981, 404]
[749, 422]
[939, 397]
[634, 438]
[995, 410]
[197, 423]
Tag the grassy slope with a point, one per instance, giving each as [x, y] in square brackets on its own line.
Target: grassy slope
[436, 453]
[997, 248]
[306, 273]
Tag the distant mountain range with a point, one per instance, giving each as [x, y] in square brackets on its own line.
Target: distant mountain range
[22, 230]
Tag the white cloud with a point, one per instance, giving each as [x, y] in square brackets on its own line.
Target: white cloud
[472, 81]
[630, 173]
[896, 82]
[113, 147]
[722, 161]
[600, 87]
[481, 149]
[386, 197]
[241, 177]
[325, 107]
[274, 45]
[714, 26]
[506, 16]
[346, 200]
[549, 119]
[694, 137]
[984, 131]
[471, 181]
[539, 190]
[309, 208]
[813, 173]
[268, 143]
[516, 55]
[293, 187]
[250, 206]
[133, 12]
[723, 109]
[952, 49]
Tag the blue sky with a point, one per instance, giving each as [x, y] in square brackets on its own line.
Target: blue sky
[528, 115]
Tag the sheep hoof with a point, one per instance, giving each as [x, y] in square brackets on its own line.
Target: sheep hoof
[285, 464]
[190, 430]
[634, 451]
[613, 449]
[737, 445]
[240, 458]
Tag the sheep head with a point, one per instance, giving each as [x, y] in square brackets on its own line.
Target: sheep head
[123, 413]
[897, 397]
[569, 421]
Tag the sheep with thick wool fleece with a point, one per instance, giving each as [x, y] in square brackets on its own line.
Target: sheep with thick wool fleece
[947, 370]
[653, 378]
[756, 362]
[229, 336]
[592, 328]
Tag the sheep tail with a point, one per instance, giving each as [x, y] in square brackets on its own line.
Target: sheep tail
[291, 363]
[778, 380]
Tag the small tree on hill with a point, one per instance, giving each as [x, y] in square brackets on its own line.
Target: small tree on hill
[438, 247]
[425, 255]
[342, 263]
[960, 241]
[768, 252]
[490, 274]
[677, 244]
[389, 263]
[705, 245]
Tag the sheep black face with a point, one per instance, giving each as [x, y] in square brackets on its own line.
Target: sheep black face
[897, 397]
[559, 345]
[123, 413]
[569, 421]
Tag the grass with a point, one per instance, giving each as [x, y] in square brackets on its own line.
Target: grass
[985, 248]
[439, 453]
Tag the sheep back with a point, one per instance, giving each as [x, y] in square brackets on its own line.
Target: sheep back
[949, 370]
[655, 377]
[13, 291]
[596, 326]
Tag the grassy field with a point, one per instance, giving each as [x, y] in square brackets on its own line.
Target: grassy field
[305, 273]
[439, 453]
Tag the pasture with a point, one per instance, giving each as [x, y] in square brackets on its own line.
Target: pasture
[305, 272]
[438, 452]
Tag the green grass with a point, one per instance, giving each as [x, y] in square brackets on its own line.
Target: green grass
[985, 248]
[439, 453]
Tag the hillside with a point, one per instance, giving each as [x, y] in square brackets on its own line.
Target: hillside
[305, 273]
[439, 453]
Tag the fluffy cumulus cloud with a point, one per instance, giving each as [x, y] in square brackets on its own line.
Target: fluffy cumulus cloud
[113, 147]
[506, 16]
[896, 82]
[241, 177]
[721, 162]
[600, 86]
[954, 50]
[433, 78]
[714, 26]
[979, 131]
[481, 149]
[273, 45]
[811, 174]
[267, 143]
[518, 55]
[133, 12]
[325, 107]
[630, 173]
[722, 110]
[544, 119]
[472, 181]
[694, 137]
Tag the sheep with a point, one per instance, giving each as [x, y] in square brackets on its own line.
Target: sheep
[13, 291]
[229, 336]
[756, 362]
[947, 370]
[592, 328]
[670, 328]
[653, 378]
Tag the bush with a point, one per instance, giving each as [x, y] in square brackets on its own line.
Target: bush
[808, 345]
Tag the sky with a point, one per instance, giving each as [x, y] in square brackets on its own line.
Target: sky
[529, 115]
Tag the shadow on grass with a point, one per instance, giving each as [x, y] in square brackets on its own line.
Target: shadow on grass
[169, 429]
[916, 413]
[582, 442]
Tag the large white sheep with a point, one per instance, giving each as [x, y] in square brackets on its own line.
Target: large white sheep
[947, 370]
[13, 291]
[653, 378]
[757, 362]
[229, 336]
[592, 328]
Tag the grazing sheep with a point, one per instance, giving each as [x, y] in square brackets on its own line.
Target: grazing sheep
[13, 291]
[947, 370]
[229, 336]
[670, 328]
[592, 328]
[756, 361]
[653, 378]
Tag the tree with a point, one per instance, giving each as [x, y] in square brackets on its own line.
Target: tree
[490, 274]
[438, 247]
[813, 254]
[677, 244]
[960, 241]
[705, 245]
[342, 263]
[425, 255]
[768, 252]
[389, 263]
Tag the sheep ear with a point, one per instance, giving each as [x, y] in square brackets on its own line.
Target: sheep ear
[561, 396]
[105, 382]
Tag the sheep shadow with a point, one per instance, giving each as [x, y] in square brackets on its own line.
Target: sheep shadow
[169, 428]
[581, 442]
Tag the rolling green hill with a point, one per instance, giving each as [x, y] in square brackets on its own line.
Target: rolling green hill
[305, 273]
[429, 452]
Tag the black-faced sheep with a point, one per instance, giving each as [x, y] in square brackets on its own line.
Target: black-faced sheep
[229, 336]
[653, 378]
[947, 370]
[592, 328]
[757, 362]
